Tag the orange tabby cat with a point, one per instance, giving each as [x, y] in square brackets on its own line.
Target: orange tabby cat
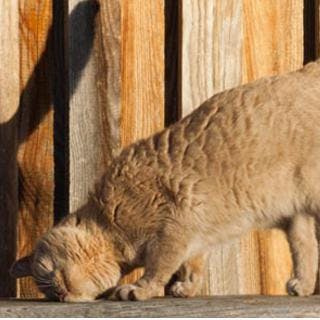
[246, 158]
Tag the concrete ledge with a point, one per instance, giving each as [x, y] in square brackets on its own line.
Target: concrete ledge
[219, 306]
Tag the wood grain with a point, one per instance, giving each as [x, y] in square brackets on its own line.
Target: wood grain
[211, 62]
[273, 44]
[220, 306]
[94, 80]
[142, 72]
[35, 154]
[142, 69]
[211, 49]
[273, 37]
[9, 101]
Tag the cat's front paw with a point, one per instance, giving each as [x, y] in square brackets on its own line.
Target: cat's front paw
[130, 292]
[297, 287]
[184, 289]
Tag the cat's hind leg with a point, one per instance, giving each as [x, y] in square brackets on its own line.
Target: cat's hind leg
[188, 279]
[303, 243]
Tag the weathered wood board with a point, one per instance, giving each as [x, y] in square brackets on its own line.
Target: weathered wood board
[9, 102]
[142, 72]
[273, 37]
[219, 306]
[35, 128]
[142, 69]
[211, 62]
[224, 44]
[94, 80]
[211, 49]
[273, 44]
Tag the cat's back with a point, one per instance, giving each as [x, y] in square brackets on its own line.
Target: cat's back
[257, 125]
[268, 111]
[254, 149]
[227, 153]
[259, 118]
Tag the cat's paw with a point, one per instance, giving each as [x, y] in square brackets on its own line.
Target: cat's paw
[130, 292]
[184, 289]
[297, 287]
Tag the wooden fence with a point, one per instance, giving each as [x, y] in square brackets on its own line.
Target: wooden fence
[79, 79]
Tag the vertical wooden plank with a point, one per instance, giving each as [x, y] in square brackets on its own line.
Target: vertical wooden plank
[142, 71]
[211, 49]
[211, 62]
[273, 43]
[35, 154]
[94, 46]
[273, 37]
[9, 101]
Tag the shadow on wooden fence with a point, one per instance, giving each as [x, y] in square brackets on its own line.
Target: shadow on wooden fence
[47, 87]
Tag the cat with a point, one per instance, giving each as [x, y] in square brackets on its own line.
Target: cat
[247, 158]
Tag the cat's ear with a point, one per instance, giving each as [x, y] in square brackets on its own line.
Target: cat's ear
[22, 267]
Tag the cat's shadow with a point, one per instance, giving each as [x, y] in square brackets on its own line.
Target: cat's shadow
[47, 88]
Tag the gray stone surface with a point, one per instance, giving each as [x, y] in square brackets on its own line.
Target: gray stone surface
[220, 306]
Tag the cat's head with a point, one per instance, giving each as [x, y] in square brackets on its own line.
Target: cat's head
[71, 264]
